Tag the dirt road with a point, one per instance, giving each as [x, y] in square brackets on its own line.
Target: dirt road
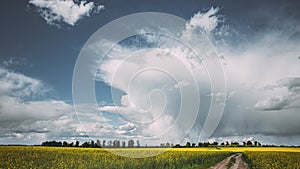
[232, 162]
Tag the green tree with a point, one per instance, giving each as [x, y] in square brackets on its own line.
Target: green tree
[249, 143]
[255, 143]
[98, 143]
[131, 143]
[77, 143]
[65, 144]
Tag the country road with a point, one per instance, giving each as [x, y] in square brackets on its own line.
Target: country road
[232, 162]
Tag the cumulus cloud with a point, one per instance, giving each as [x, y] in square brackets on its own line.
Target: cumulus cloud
[21, 111]
[253, 82]
[251, 66]
[26, 117]
[68, 11]
[152, 79]
[19, 85]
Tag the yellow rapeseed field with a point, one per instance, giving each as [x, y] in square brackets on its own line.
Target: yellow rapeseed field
[176, 158]
[58, 157]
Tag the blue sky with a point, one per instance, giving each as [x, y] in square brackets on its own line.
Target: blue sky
[257, 44]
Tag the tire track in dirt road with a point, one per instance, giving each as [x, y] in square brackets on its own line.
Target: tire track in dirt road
[239, 163]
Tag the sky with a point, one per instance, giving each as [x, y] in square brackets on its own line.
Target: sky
[149, 86]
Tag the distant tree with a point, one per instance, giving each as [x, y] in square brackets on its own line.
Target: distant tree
[65, 144]
[222, 144]
[249, 143]
[116, 143]
[259, 144]
[255, 143]
[235, 144]
[138, 143]
[244, 143]
[205, 144]
[103, 143]
[215, 143]
[109, 143]
[71, 144]
[188, 144]
[59, 144]
[227, 143]
[86, 144]
[77, 144]
[131, 143]
[200, 144]
[98, 143]
[193, 144]
[52, 143]
[92, 143]
[177, 146]
[123, 144]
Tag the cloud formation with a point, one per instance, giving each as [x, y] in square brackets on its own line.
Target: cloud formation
[152, 79]
[290, 99]
[262, 74]
[205, 21]
[68, 11]
[27, 116]
[251, 65]
[21, 107]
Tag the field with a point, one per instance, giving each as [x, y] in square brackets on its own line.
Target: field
[274, 160]
[60, 157]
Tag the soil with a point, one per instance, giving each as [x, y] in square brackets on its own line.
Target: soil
[239, 163]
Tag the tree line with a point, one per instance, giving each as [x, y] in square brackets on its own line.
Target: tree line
[222, 144]
[131, 143]
[92, 144]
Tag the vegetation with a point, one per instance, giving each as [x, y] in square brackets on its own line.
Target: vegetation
[53, 154]
[131, 144]
[273, 159]
[66, 157]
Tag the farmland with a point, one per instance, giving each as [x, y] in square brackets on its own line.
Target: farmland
[59, 157]
[64, 157]
[274, 160]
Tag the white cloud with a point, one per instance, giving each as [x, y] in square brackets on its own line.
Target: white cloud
[55, 11]
[26, 117]
[152, 80]
[19, 85]
[204, 21]
[128, 126]
[251, 65]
